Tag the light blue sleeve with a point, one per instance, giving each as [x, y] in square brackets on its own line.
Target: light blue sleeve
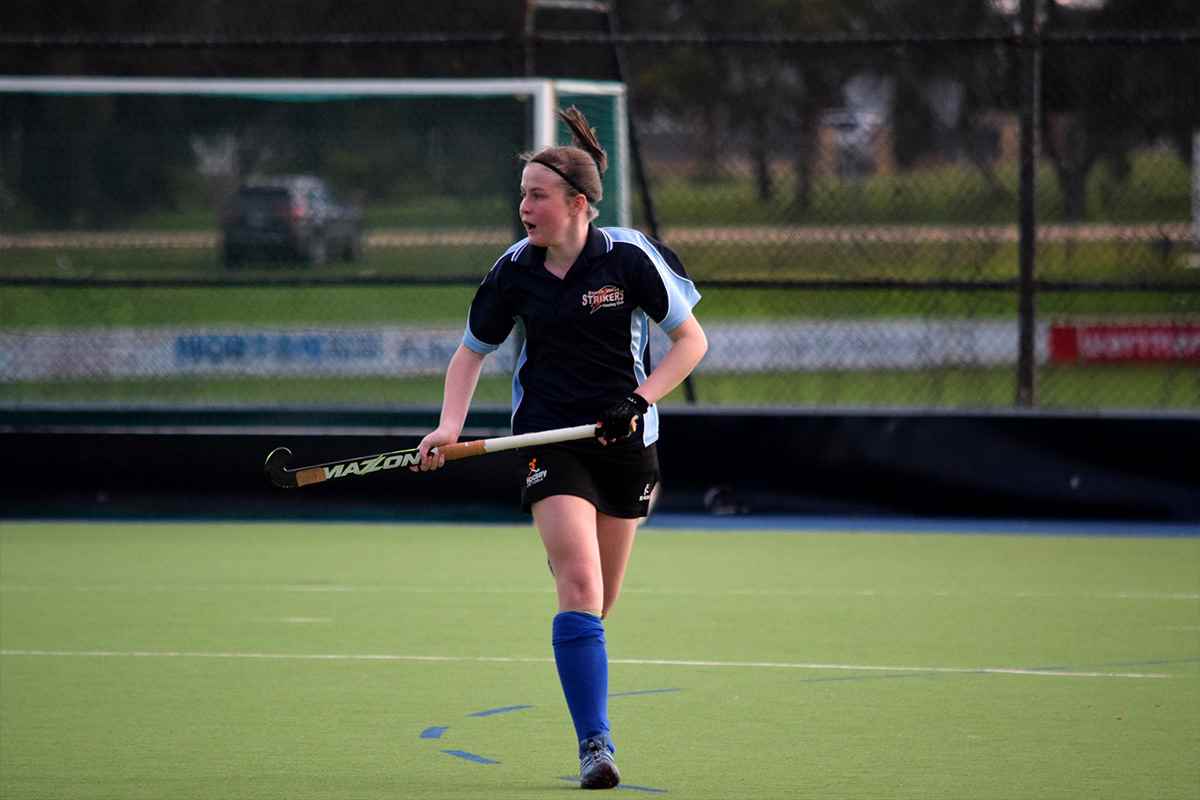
[682, 294]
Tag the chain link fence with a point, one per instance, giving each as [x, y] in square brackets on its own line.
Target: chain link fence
[850, 205]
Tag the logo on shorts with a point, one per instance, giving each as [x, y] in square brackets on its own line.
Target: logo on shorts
[604, 297]
[647, 492]
[535, 475]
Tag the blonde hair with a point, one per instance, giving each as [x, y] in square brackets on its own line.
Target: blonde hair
[581, 164]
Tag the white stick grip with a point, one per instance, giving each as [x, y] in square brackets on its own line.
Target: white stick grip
[478, 447]
[539, 438]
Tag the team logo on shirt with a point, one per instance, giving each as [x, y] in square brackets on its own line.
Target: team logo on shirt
[604, 297]
[535, 475]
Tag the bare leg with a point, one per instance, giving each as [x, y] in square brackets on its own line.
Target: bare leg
[567, 525]
[615, 537]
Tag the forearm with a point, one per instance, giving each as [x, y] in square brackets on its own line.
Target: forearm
[462, 376]
[688, 347]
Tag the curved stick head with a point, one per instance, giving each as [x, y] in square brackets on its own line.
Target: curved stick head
[276, 468]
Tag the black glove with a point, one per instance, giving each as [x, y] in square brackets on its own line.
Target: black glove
[620, 421]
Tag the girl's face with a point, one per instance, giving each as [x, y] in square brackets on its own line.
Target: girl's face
[546, 212]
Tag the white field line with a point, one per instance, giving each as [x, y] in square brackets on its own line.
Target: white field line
[659, 662]
[278, 587]
[549, 589]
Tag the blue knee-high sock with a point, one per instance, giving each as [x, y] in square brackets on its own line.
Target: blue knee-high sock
[582, 664]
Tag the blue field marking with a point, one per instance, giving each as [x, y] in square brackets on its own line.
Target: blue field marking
[491, 712]
[1158, 662]
[643, 691]
[470, 756]
[436, 731]
[1145, 662]
[796, 523]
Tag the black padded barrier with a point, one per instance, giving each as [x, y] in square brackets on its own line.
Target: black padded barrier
[208, 464]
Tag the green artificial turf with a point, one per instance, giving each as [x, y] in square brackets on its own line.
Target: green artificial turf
[208, 660]
[1090, 387]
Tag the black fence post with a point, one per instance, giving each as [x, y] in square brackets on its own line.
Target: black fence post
[639, 166]
[1030, 47]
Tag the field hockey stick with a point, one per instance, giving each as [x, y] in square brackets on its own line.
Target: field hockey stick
[281, 476]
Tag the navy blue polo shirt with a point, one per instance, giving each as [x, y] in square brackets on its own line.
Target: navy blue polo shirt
[586, 335]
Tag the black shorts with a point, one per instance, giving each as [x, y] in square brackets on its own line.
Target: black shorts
[617, 479]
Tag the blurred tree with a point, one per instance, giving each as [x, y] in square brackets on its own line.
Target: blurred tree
[945, 96]
[1101, 103]
[770, 96]
[765, 101]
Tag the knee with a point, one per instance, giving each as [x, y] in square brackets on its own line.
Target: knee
[579, 588]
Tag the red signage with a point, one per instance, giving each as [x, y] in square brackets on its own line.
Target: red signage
[1124, 343]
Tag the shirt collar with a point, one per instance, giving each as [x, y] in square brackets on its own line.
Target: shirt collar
[596, 245]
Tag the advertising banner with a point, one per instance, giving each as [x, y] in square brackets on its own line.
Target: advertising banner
[1133, 343]
[138, 353]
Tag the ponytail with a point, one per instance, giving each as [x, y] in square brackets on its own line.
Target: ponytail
[584, 137]
[581, 164]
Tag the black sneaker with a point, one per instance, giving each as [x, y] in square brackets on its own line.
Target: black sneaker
[597, 770]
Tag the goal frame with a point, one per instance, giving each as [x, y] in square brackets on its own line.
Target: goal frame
[543, 93]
